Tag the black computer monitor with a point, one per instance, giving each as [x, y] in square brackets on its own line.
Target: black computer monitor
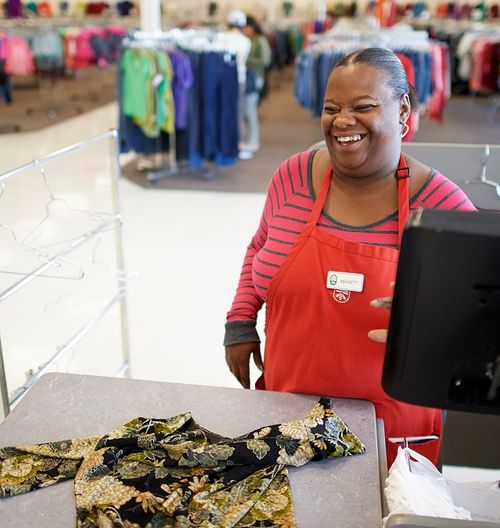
[443, 347]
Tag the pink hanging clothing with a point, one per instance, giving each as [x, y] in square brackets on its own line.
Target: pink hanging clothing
[18, 56]
[485, 64]
[437, 99]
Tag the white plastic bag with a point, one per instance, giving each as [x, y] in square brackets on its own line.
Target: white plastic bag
[420, 491]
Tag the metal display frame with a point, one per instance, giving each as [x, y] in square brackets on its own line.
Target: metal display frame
[115, 221]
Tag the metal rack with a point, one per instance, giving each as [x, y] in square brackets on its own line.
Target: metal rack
[473, 167]
[112, 221]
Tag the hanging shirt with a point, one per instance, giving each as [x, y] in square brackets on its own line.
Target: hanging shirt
[136, 68]
[159, 104]
[153, 472]
[183, 79]
[19, 57]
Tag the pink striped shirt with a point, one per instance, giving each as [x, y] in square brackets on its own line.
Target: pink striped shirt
[287, 209]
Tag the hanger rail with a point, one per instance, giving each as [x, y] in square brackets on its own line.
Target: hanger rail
[56, 259]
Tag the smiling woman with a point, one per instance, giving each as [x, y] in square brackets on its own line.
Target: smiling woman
[338, 211]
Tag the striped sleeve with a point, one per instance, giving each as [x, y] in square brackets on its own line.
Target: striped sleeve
[442, 193]
[248, 300]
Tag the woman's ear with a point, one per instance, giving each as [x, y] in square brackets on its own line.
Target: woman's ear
[404, 108]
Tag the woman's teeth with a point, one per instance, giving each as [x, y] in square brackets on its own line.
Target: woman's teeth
[348, 139]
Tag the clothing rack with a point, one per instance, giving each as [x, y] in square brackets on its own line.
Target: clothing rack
[359, 33]
[315, 63]
[42, 57]
[466, 65]
[54, 259]
[145, 40]
[186, 42]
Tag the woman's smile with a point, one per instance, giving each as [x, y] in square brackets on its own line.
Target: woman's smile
[348, 142]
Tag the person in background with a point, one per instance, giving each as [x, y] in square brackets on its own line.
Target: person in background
[234, 40]
[258, 61]
[328, 244]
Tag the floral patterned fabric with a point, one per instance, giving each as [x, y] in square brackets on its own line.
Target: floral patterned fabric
[160, 473]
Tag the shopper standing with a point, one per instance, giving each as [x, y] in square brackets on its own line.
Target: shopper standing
[328, 244]
[258, 61]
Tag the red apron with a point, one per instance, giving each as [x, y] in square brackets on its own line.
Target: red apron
[316, 337]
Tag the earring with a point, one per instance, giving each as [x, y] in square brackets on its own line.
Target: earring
[405, 130]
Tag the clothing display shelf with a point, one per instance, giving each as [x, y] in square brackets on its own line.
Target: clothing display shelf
[130, 23]
[52, 261]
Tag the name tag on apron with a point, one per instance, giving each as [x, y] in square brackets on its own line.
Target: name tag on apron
[341, 280]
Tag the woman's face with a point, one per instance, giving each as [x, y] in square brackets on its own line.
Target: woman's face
[248, 31]
[361, 121]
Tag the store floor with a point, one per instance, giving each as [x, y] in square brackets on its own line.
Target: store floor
[44, 99]
[184, 247]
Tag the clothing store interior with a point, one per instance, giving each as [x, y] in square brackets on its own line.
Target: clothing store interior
[180, 180]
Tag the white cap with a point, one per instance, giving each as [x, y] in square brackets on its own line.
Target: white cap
[236, 18]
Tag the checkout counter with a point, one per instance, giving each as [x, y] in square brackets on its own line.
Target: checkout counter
[336, 493]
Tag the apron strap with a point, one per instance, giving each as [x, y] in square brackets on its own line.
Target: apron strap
[403, 179]
[321, 197]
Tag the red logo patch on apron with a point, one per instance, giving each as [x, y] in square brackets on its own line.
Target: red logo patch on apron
[341, 296]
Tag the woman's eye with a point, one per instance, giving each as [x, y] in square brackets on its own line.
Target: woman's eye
[330, 110]
[364, 108]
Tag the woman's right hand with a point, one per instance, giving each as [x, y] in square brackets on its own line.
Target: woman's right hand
[238, 360]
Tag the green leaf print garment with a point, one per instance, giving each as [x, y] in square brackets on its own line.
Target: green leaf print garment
[172, 472]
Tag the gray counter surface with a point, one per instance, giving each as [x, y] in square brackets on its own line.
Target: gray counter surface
[342, 492]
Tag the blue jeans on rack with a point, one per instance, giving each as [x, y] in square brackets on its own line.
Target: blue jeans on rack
[220, 89]
[5, 92]
[194, 131]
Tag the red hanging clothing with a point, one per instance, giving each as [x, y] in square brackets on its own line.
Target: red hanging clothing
[331, 355]
[437, 99]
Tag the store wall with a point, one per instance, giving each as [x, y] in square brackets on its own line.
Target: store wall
[471, 440]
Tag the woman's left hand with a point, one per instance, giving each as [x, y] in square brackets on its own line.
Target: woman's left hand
[380, 335]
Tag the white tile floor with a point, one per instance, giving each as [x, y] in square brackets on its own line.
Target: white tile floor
[185, 249]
